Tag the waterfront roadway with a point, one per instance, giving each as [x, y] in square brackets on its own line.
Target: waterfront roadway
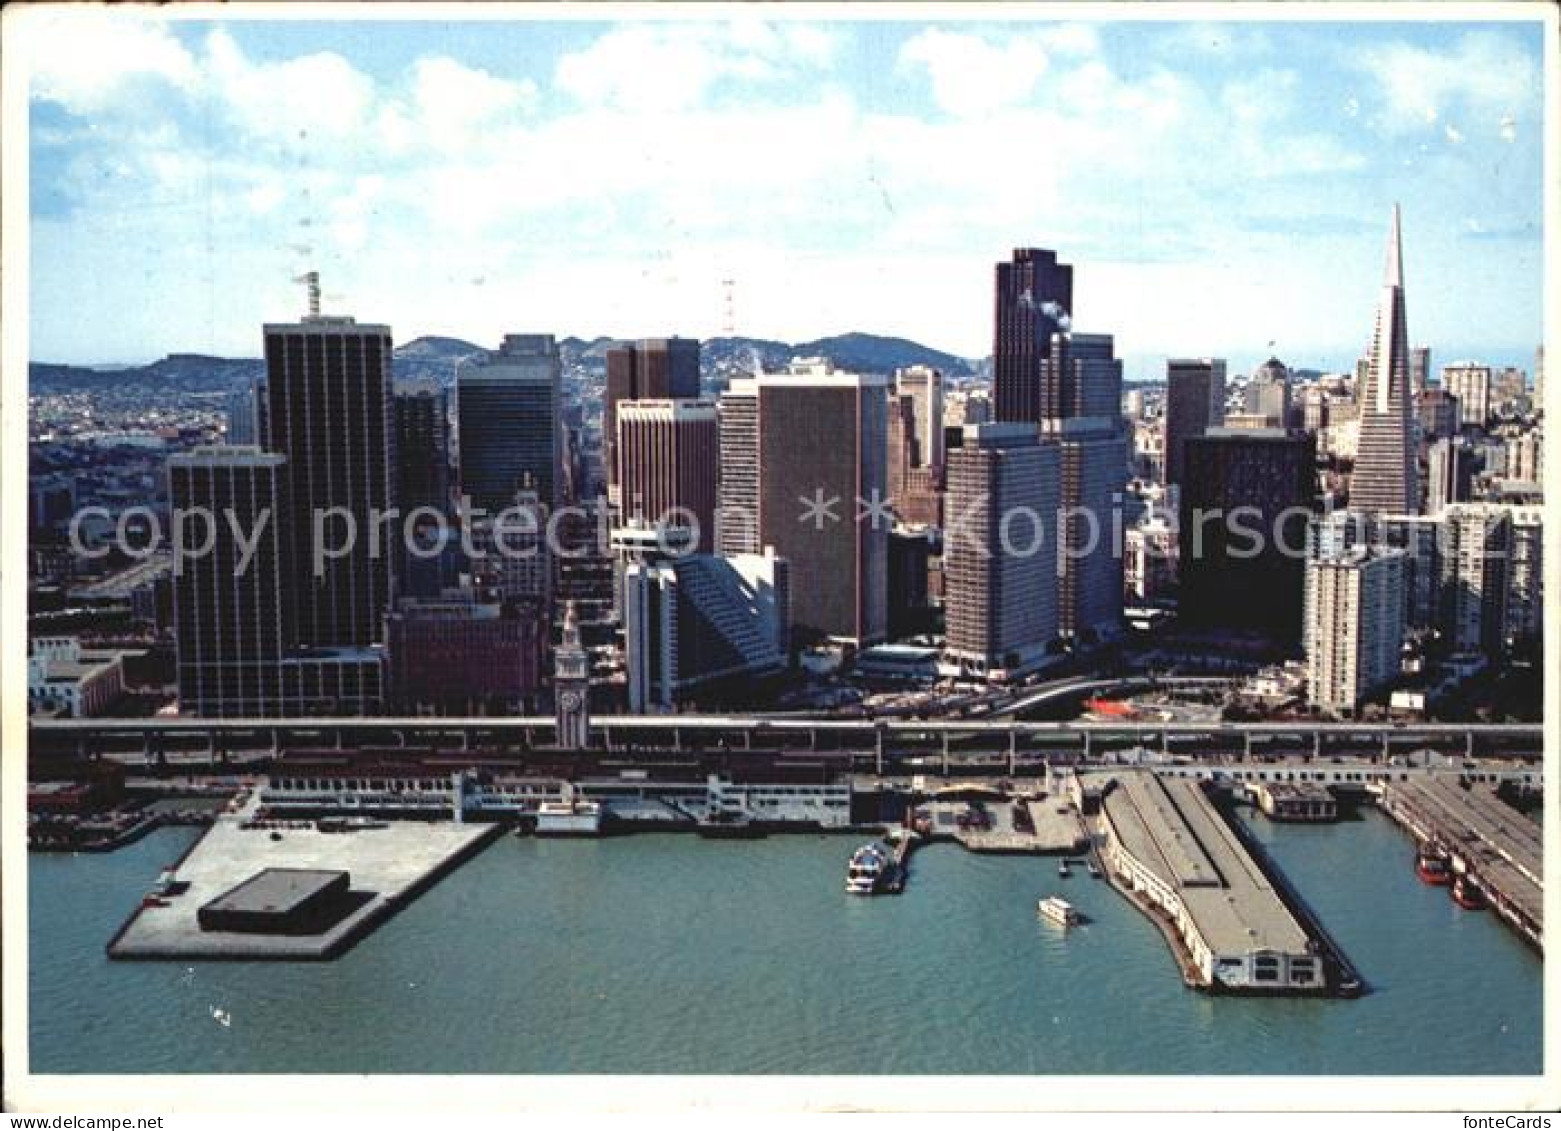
[942, 745]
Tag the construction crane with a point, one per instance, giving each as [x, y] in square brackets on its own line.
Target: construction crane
[312, 279]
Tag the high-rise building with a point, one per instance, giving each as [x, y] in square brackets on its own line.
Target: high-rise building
[700, 620]
[1526, 575]
[1419, 370]
[737, 512]
[911, 554]
[1001, 551]
[1093, 475]
[1383, 480]
[328, 384]
[1477, 546]
[823, 497]
[1449, 474]
[422, 448]
[1354, 626]
[511, 555]
[1526, 456]
[1438, 414]
[1246, 499]
[1033, 299]
[1081, 377]
[1194, 403]
[914, 486]
[1268, 394]
[668, 454]
[651, 369]
[507, 412]
[247, 413]
[233, 617]
[924, 386]
[1470, 382]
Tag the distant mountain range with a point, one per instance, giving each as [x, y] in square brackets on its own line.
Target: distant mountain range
[434, 358]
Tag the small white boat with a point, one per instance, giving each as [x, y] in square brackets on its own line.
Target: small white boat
[1058, 910]
[867, 869]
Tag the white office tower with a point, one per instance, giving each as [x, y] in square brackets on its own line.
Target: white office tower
[693, 622]
[1525, 588]
[1447, 474]
[924, 385]
[1000, 564]
[1355, 626]
[1477, 546]
[737, 489]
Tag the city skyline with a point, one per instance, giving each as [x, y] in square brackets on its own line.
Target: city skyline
[792, 157]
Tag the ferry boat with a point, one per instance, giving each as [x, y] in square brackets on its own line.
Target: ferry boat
[868, 869]
[1432, 868]
[1467, 894]
[1057, 910]
[569, 818]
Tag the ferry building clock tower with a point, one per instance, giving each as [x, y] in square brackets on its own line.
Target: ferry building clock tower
[571, 686]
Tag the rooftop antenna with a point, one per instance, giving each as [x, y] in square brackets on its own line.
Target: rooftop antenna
[312, 278]
[729, 320]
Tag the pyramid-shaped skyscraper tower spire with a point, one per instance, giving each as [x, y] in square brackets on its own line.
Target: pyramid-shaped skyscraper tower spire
[1384, 477]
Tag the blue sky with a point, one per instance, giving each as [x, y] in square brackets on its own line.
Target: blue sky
[1217, 186]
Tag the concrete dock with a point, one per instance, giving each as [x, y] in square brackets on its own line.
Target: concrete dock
[1173, 853]
[1485, 839]
[388, 867]
[1054, 829]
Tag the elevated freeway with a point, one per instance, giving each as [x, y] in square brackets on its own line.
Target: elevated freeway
[945, 745]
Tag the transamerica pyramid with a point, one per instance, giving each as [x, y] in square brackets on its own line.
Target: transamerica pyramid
[1384, 476]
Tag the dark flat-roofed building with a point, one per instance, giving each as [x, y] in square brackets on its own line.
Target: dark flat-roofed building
[1246, 502]
[280, 901]
[328, 383]
[1194, 403]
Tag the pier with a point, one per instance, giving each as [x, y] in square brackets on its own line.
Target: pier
[387, 867]
[1483, 838]
[1176, 857]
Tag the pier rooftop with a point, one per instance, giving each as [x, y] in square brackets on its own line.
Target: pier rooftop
[1173, 846]
[387, 867]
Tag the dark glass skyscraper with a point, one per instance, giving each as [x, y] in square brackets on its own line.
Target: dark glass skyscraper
[1247, 497]
[1034, 295]
[1194, 403]
[422, 448]
[328, 384]
[507, 411]
[233, 620]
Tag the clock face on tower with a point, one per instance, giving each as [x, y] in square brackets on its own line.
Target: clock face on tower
[569, 700]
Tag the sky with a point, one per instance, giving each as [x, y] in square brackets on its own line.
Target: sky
[1218, 186]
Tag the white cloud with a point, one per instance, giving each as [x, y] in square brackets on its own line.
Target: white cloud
[1484, 73]
[971, 76]
[667, 67]
[320, 95]
[83, 57]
